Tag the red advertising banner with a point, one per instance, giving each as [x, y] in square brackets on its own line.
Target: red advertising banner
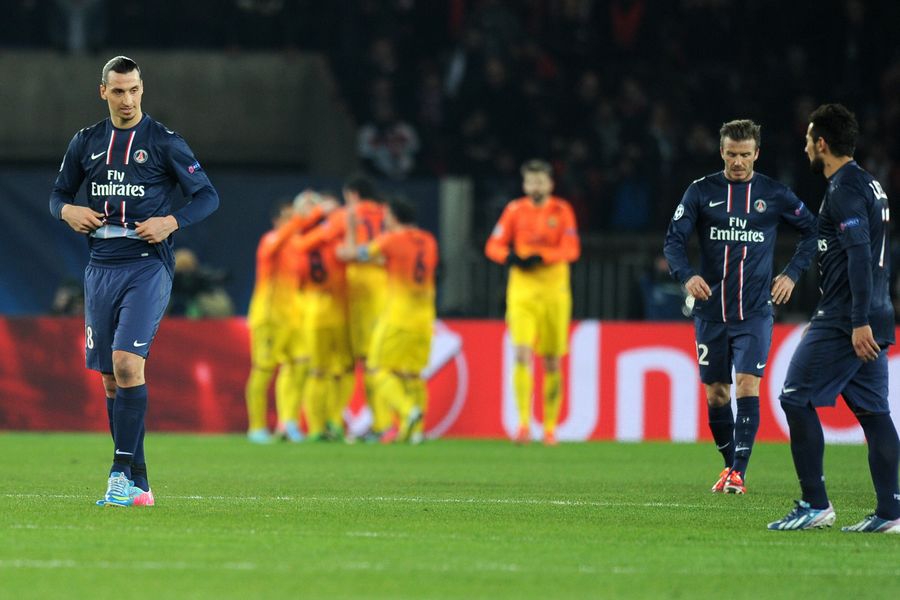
[624, 381]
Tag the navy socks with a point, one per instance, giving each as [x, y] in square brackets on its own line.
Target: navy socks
[808, 450]
[746, 426]
[128, 423]
[721, 424]
[884, 455]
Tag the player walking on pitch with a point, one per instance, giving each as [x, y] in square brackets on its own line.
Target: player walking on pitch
[736, 213]
[132, 165]
[537, 238]
[844, 351]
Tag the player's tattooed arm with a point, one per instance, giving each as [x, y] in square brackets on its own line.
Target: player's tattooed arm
[82, 219]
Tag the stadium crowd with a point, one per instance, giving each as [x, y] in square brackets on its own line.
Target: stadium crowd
[624, 97]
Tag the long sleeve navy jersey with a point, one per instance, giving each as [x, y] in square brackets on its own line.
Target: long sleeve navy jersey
[854, 213]
[736, 223]
[131, 175]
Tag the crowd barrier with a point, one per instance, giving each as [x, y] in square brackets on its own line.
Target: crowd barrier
[625, 381]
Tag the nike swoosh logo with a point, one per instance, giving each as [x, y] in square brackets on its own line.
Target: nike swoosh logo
[760, 366]
[711, 204]
[125, 453]
[137, 345]
[788, 390]
[741, 448]
[722, 447]
[96, 156]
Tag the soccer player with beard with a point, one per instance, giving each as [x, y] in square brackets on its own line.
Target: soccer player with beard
[537, 238]
[132, 165]
[736, 213]
[844, 350]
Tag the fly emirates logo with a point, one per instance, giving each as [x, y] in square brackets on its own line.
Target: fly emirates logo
[116, 186]
[737, 232]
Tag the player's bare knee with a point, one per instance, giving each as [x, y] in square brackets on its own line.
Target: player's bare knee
[551, 363]
[718, 394]
[523, 355]
[128, 369]
[109, 384]
[747, 385]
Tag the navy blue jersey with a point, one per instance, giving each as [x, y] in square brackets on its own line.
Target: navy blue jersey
[737, 223]
[854, 212]
[131, 175]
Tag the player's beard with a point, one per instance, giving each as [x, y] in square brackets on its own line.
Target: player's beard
[538, 198]
[817, 165]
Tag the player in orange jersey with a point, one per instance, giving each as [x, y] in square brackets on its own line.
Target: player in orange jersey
[401, 341]
[537, 238]
[274, 320]
[331, 378]
[366, 284]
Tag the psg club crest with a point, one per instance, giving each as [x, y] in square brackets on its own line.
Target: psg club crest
[140, 156]
[760, 205]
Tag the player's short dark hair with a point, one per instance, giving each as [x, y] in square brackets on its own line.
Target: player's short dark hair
[362, 185]
[536, 165]
[403, 210]
[836, 124]
[119, 64]
[740, 130]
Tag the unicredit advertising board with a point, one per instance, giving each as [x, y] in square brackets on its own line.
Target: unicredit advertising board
[626, 381]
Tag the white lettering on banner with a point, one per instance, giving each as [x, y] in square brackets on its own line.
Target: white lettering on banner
[632, 367]
[833, 435]
[509, 414]
[584, 397]
[446, 347]
[583, 384]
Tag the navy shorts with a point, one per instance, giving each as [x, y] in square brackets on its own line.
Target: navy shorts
[825, 365]
[123, 307]
[743, 344]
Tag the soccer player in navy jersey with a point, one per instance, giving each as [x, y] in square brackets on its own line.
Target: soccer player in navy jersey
[844, 350]
[736, 213]
[131, 165]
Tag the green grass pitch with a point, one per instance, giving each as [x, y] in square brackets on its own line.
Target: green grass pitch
[448, 519]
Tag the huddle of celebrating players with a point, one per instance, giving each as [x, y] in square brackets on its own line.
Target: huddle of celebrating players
[341, 287]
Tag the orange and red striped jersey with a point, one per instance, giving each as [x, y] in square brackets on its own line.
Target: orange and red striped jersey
[548, 230]
[411, 256]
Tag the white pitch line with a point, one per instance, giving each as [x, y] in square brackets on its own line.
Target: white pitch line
[476, 567]
[424, 500]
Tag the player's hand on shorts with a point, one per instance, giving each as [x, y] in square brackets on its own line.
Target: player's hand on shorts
[864, 344]
[782, 287]
[156, 229]
[81, 218]
[697, 287]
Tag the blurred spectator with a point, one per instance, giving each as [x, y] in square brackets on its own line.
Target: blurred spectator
[197, 290]
[661, 298]
[388, 145]
[68, 299]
